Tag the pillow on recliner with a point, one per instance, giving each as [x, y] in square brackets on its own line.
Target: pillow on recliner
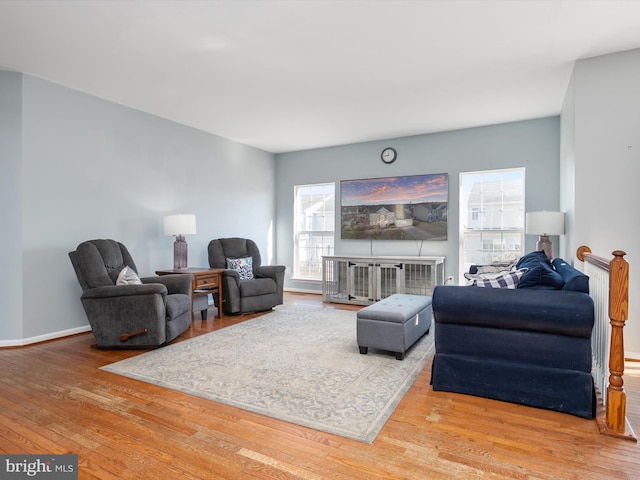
[540, 273]
[128, 276]
[244, 267]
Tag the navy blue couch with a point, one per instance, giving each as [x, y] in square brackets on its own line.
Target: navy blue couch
[529, 345]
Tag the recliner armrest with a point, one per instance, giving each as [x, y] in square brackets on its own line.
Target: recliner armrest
[178, 283]
[271, 271]
[548, 311]
[231, 274]
[112, 291]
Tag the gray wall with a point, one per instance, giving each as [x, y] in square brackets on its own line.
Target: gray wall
[568, 242]
[10, 199]
[532, 144]
[603, 108]
[90, 168]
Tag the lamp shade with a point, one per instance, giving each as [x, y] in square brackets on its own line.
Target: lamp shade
[180, 225]
[545, 223]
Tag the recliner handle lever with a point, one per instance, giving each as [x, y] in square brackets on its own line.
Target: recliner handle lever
[126, 336]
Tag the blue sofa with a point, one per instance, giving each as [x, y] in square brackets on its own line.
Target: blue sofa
[529, 345]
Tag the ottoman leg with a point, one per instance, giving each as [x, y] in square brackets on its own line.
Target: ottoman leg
[363, 350]
[400, 356]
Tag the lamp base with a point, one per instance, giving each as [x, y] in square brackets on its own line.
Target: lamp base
[180, 253]
[545, 245]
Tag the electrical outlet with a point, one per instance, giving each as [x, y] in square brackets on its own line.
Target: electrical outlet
[450, 280]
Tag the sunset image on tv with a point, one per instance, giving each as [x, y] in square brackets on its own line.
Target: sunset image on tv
[395, 208]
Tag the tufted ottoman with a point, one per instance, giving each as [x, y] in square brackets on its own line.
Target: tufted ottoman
[394, 323]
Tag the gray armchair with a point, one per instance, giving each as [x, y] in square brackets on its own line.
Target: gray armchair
[262, 292]
[132, 315]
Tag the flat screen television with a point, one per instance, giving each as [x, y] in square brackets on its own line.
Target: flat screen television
[410, 207]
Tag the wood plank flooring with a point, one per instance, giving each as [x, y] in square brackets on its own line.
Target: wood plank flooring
[54, 399]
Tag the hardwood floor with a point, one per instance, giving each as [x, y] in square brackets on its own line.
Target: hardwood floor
[54, 399]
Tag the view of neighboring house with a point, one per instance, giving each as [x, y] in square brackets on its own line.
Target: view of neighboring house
[493, 225]
[383, 218]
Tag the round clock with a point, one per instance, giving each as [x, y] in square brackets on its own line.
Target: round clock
[389, 155]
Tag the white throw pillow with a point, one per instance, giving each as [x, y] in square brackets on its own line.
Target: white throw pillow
[128, 276]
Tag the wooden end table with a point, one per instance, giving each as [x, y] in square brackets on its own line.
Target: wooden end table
[205, 281]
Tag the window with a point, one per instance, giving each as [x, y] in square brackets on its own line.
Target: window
[491, 217]
[313, 228]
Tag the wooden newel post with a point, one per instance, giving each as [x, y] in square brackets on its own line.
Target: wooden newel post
[618, 313]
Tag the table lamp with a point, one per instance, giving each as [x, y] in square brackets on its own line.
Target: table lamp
[545, 224]
[179, 226]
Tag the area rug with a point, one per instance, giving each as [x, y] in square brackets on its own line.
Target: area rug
[300, 364]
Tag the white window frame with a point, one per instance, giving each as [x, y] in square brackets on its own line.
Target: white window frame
[499, 224]
[313, 223]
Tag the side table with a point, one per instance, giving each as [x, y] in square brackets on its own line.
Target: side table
[205, 281]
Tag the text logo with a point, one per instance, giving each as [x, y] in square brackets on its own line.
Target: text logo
[50, 467]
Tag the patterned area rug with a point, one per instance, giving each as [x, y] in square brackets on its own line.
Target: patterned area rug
[299, 363]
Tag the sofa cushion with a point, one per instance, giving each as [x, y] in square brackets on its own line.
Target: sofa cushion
[560, 312]
[257, 287]
[540, 273]
[574, 280]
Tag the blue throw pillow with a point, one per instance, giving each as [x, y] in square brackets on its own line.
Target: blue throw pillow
[540, 273]
[574, 280]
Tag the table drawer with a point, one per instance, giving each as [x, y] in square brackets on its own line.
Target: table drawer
[208, 282]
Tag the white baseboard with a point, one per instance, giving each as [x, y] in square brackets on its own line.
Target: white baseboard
[632, 355]
[303, 290]
[43, 338]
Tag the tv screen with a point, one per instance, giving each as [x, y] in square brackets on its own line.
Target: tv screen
[395, 208]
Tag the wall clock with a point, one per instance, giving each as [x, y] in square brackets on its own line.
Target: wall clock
[389, 155]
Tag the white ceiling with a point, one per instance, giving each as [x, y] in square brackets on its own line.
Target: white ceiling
[294, 75]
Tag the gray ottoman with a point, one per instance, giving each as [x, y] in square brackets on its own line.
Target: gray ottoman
[394, 323]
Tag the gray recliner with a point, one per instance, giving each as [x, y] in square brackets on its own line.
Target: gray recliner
[263, 292]
[134, 315]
